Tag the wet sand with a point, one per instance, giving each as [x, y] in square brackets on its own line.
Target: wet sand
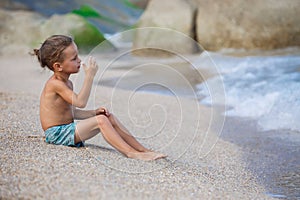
[201, 163]
[273, 156]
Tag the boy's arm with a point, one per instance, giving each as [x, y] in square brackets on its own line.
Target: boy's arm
[80, 99]
[84, 114]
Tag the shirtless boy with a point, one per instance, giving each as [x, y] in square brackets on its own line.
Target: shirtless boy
[59, 104]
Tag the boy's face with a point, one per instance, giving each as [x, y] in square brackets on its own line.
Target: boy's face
[71, 63]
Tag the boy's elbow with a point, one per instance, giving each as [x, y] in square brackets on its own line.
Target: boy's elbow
[81, 104]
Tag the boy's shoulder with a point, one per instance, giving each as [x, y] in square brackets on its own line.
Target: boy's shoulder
[54, 83]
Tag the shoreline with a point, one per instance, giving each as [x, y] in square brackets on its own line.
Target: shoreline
[272, 155]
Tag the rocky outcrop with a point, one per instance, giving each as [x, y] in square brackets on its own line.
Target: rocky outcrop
[19, 31]
[171, 28]
[249, 24]
[85, 35]
[246, 24]
[23, 30]
[113, 16]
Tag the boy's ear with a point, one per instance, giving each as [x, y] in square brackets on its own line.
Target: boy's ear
[57, 67]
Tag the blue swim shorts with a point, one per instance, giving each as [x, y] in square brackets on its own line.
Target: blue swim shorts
[62, 135]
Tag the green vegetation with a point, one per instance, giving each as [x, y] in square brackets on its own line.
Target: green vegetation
[87, 38]
[89, 12]
[86, 11]
[90, 36]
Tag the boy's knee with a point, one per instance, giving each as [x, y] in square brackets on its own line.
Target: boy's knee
[101, 119]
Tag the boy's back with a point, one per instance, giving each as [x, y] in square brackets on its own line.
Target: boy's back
[54, 110]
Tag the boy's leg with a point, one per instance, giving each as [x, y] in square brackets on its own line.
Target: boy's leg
[88, 128]
[125, 134]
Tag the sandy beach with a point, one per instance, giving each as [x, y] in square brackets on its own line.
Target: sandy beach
[227, 118]
[201, 162]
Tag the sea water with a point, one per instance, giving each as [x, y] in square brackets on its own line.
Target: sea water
[265, 88]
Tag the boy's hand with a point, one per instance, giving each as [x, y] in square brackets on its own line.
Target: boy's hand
[102, 111]
[92, 67]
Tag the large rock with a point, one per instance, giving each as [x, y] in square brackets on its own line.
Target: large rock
[176, 17]
[248, 24]
[115, 15]
[23, 30]
[19, 31]
[85, 35]
[245, 24]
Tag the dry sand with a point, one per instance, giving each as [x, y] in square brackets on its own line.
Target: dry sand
[199, 165]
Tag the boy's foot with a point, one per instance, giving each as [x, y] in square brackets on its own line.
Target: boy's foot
[147, 156]
[159, 155]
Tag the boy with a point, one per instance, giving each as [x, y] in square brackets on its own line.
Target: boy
[58, 103]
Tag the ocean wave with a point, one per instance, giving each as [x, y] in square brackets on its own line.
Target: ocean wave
[265, 88]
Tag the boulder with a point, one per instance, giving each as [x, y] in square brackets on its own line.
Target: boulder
[218, 24]
[113, 16]
[248, 24]
[85, 35]
[171, 29]
[19, 31]
[23, 30]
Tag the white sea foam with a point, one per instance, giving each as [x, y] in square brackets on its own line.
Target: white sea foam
[266, 88]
